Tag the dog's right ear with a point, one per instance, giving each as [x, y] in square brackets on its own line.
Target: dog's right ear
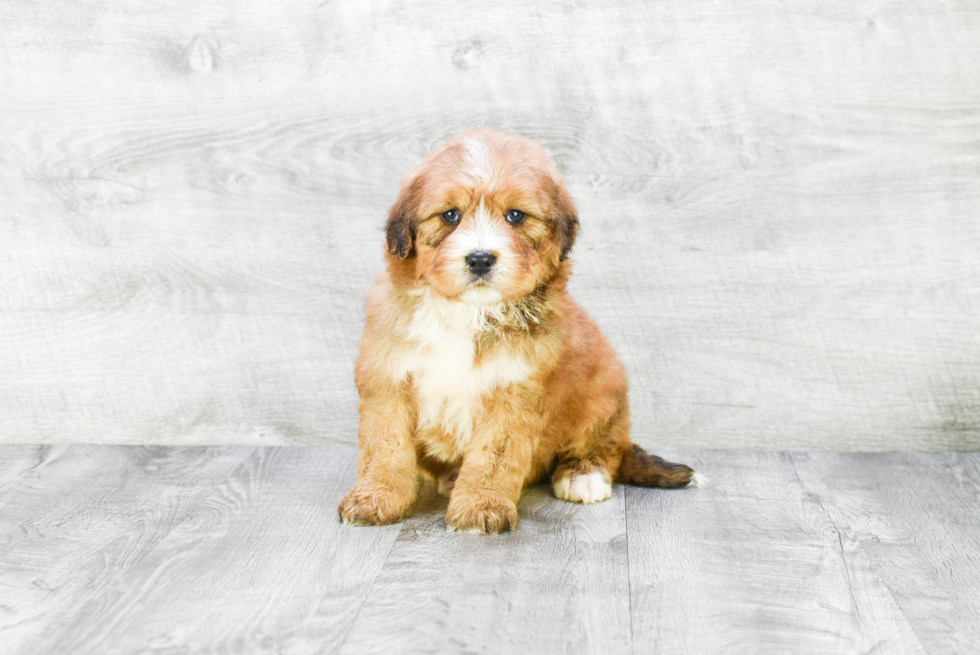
[400, 231]
[566, 221]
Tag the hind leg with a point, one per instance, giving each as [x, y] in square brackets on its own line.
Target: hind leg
[582, 481]
[587, 466]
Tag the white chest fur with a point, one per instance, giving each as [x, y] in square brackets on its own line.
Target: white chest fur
[449, 384]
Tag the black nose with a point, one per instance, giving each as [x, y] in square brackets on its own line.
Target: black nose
[480, 262]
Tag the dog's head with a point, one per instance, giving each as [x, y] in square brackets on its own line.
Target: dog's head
[484, 219]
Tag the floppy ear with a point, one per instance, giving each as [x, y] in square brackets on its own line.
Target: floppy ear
[566, 222]
[400, 231]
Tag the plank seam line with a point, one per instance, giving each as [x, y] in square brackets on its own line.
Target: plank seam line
[629, 567]
[42, 454]
[877, 573]
[912, 627]
[843, 559]
[833, 524]
[367, 595]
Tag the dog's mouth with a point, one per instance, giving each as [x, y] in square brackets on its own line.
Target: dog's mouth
[481, 293]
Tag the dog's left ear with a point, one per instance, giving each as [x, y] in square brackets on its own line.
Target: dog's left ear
[566, 221]
[400, 230]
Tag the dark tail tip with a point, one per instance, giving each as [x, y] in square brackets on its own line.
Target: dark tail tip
[645, 470]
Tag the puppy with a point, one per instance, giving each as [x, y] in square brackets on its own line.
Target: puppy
[477, 371]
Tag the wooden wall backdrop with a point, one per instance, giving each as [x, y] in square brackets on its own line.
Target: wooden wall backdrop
[780, 203]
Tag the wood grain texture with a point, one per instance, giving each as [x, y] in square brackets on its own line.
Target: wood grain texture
[261, 565]
[778, 205]
[17, 460]
[556, 585]
[751, 565]
[78, 519]
[238, 549]
[914, 518]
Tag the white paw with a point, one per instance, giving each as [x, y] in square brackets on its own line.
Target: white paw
[447, 481]
[584, 488]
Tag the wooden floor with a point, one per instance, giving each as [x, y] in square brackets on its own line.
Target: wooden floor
[238, 550]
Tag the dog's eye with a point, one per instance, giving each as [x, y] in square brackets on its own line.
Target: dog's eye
[450, 217]
[515, 217]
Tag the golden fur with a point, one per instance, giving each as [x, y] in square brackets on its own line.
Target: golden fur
[485, 385]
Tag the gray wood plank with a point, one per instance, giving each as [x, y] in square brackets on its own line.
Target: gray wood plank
[753, 564]
[79, 518]
[778, 203]
[557, 585]
[17, 460]
[261, 565]
[915, 518]
[225, 550]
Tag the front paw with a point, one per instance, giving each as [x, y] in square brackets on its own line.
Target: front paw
[367, 504]
[481, 514]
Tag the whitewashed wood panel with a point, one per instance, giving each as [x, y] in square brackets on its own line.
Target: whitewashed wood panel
[914, 518]
[559, 584]
[260, 563]
[780, 207]
[754, 564]
[17, 460]
[78, 519]
[238, 549]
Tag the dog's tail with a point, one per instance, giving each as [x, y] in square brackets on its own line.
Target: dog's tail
[645, 470]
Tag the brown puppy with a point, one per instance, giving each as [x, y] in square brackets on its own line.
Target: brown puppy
[478, 371]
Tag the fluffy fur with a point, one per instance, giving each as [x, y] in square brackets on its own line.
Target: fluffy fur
[483, 385]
